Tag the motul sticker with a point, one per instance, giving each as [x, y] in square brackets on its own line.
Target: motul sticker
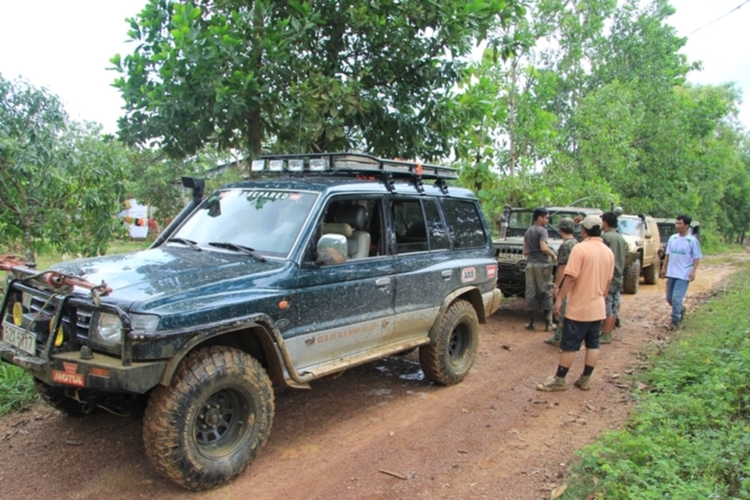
[468, 274]
[492, 271]
[67, 378]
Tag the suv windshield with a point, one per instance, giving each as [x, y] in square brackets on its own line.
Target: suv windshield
[266, 220]
[633, 227]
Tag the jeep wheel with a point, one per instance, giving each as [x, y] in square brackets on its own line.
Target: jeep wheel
[208, 425]
[448, 358]
[56, 398]
[631, 276]
[651, 274]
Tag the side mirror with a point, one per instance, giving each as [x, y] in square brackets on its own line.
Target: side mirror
[332, 249]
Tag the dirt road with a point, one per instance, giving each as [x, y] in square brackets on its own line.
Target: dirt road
[379, 431]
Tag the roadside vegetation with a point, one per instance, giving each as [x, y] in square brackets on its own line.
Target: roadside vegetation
[689, 436]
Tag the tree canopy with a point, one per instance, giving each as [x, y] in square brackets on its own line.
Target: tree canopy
[596, 106]
[61, 183]
[299, 75]
[581, 102]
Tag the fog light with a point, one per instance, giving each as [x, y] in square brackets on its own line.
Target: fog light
[17, 313]
[59, 337]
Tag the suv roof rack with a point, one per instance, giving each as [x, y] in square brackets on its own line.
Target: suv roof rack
[356, 164]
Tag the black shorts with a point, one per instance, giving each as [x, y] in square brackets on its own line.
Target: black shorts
[575, 332]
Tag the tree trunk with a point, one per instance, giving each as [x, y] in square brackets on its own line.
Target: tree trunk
[28, 241]
[254, 134]
[512, 116]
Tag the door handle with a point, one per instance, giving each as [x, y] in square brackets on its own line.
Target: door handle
[447, 273]
[382, 281]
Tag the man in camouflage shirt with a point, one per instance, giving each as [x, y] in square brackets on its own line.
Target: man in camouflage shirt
[565, 227]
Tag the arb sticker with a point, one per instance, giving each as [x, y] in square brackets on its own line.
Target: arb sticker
[468, 274]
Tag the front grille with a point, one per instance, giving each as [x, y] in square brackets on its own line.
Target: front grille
[39, 311]
[508, 255]
[42, 306]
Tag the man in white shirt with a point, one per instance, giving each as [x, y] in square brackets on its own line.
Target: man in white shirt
[683, 255]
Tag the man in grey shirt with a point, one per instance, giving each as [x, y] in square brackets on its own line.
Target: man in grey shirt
[539, 262]
[619, 247]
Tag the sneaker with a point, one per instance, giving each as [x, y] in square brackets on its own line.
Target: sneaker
[605, 338]
[553, 340]
[583, 382]
[530, 326]
[552, 385]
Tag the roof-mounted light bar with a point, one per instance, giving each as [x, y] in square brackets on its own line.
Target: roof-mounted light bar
[356, 163]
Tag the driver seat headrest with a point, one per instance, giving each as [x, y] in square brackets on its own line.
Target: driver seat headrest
[354, 215]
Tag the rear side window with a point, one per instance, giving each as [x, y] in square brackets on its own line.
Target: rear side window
[464, 224]
[409, 223]
[435, 226]
[418, 225]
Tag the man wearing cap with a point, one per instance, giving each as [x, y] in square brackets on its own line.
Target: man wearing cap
[619, 247]
[587, 276]
[539, 259]
[566, 228]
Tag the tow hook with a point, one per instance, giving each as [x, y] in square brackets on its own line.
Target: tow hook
[88, 407]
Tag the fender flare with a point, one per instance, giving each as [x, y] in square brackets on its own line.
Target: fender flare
[474, 298]
[258, 322]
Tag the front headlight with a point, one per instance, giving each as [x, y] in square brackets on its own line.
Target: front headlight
[106, 330]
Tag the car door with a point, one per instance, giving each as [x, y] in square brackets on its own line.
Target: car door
[425, 271]
[343, 309]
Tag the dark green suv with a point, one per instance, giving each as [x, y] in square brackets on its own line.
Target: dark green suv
[329, 261]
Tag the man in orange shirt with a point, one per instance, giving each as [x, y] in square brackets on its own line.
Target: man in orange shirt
[587, 276]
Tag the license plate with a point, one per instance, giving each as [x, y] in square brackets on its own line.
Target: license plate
[25, 341]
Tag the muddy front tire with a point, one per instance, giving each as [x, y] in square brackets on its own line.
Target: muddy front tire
[449, 357]
[208, 425]
[631, 276]
[651, 275]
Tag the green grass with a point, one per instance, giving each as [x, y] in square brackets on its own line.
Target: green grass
[16, 386]
[717, 248]
[16, 389]
[45, 260]
[689, 436]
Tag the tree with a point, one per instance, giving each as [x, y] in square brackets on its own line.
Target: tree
[299, 75]
[60, 182]
[156, 178]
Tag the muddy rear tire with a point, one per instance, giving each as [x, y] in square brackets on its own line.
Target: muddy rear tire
[450, 355]
[651, 274]
[631, 276]
[215, 416]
